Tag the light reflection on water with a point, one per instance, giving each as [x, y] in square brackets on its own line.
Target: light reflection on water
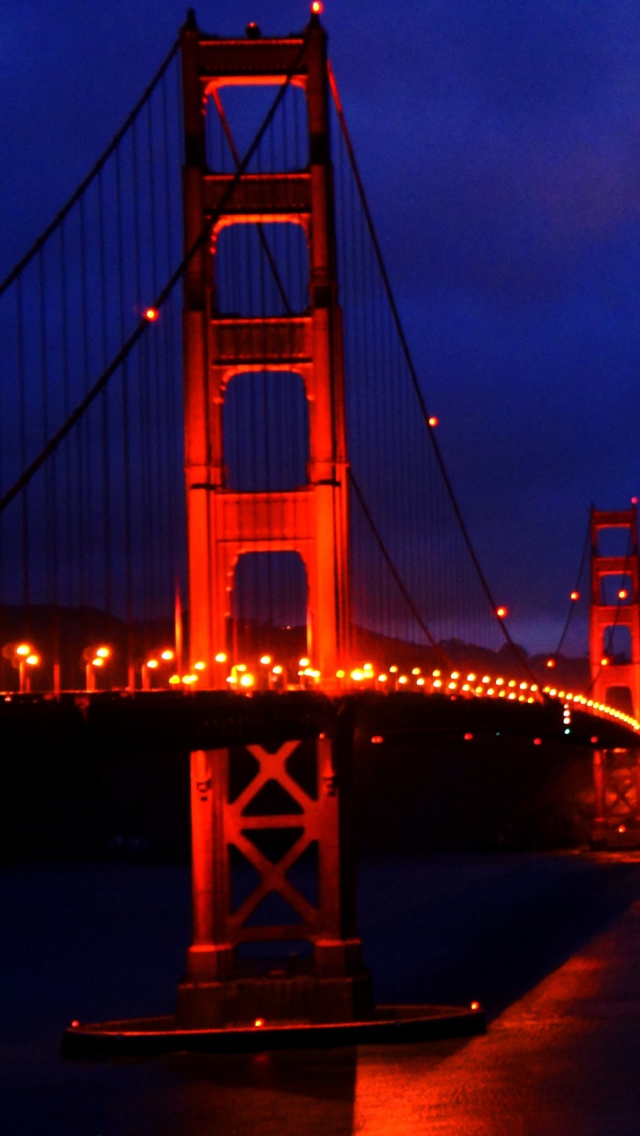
[90, 941]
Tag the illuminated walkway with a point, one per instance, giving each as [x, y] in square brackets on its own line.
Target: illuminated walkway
[551, 943]
[561, 1060]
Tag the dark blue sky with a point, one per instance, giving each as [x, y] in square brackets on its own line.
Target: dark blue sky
[499, 141]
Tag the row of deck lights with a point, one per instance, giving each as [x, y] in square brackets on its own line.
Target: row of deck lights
[453, 684]
[601, 707]
[22, 656]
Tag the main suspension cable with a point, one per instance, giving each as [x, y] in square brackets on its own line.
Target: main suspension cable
[394, 571]
[414, 376]
[95, 170]
[575, 592]
[160, 300]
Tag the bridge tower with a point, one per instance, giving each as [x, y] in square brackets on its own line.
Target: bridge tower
[616, 772]
[312, 520]
[607, 677]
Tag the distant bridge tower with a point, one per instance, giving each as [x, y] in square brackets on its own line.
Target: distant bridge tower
[610, 679]
[312, 520]
[616, 773]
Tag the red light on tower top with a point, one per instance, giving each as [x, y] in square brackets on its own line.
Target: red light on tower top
[634, 500]
[316, 7]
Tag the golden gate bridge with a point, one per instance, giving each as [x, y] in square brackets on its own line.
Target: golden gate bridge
[212, 303]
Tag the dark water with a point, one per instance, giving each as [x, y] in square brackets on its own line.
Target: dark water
[550, 944]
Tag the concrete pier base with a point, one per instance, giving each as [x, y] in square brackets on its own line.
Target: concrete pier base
[388, 1025]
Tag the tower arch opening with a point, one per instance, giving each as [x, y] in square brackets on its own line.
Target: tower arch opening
[265, 432]
[234, 113]
[616, 589]
[616, 644]
[620, 698]
[261, 269]
[269, 603]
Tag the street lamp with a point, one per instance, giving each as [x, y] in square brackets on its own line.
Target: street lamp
[22, 656]
[94, 658]
[154, 664]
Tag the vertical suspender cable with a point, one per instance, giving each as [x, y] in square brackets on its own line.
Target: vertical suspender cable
[104, 412]
[22, 433]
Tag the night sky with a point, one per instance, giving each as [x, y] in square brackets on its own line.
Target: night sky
[499, 141]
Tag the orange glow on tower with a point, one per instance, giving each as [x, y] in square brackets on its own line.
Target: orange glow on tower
[606, 670]
[312, 520]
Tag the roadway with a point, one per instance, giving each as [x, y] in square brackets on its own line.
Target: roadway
[164, 720]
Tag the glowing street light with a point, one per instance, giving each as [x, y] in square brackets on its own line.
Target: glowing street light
[94, 658]
[31, 660]
[20, 655]
[150, 665]
[155, 663]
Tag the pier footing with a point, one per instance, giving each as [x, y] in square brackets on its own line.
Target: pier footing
[387, 1025]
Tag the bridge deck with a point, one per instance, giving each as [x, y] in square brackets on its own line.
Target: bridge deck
[150, 721]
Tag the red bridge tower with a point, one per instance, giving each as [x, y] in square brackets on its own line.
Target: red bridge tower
[607, 675]
[616, 773]
[312, 520]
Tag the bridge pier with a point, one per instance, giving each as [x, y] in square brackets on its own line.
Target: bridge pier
[271, 826]
[275, 959]
[616, 785]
